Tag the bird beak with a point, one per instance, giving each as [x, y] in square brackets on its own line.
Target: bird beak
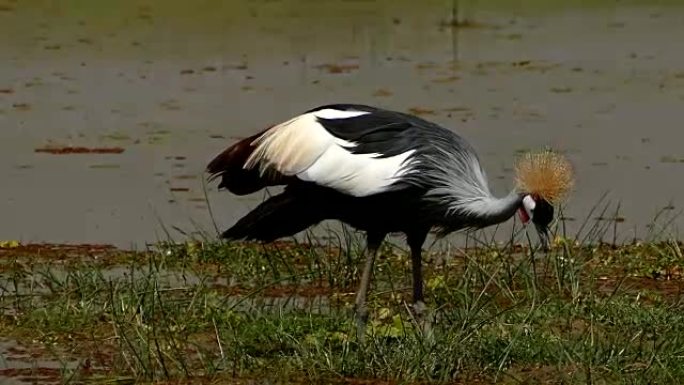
[543, 236]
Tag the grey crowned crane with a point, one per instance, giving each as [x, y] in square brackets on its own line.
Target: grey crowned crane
[381, 172]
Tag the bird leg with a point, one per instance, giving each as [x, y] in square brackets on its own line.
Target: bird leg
[417, 270]
[419, 307]
[415, 242]
[373, 243]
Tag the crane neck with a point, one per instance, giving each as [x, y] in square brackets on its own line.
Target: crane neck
[489, 210]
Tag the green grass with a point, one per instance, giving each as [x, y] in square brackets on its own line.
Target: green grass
[209, 312]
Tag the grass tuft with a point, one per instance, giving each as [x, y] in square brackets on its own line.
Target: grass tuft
[586, 312]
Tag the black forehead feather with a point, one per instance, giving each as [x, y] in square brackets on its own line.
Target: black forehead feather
[543, 212]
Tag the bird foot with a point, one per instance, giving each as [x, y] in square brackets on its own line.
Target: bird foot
[421, 314]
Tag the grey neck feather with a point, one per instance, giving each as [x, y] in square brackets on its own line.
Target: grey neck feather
[488, 210]
[457, 184]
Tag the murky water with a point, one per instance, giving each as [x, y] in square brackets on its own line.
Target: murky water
[173, 82]
[19, 365]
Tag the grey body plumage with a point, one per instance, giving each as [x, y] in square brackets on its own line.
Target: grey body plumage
[442, 164]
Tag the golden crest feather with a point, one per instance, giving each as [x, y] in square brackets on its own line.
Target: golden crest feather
[545, 173]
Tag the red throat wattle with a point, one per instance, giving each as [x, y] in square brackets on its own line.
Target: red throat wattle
[523, 215]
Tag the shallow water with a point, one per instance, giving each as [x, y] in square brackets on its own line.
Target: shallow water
[172, 85]
[20, 365]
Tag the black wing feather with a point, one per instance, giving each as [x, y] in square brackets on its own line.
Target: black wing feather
[384, 132]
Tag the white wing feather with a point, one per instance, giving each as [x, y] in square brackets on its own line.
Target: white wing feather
[303, 147]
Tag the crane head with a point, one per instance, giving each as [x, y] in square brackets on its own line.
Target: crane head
[545, 177]
[540, 212]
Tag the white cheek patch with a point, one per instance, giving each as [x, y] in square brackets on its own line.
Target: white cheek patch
[529, 204]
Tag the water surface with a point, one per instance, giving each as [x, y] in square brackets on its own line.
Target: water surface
[173, 83]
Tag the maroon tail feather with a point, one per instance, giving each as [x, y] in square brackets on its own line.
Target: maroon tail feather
[229, 166]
